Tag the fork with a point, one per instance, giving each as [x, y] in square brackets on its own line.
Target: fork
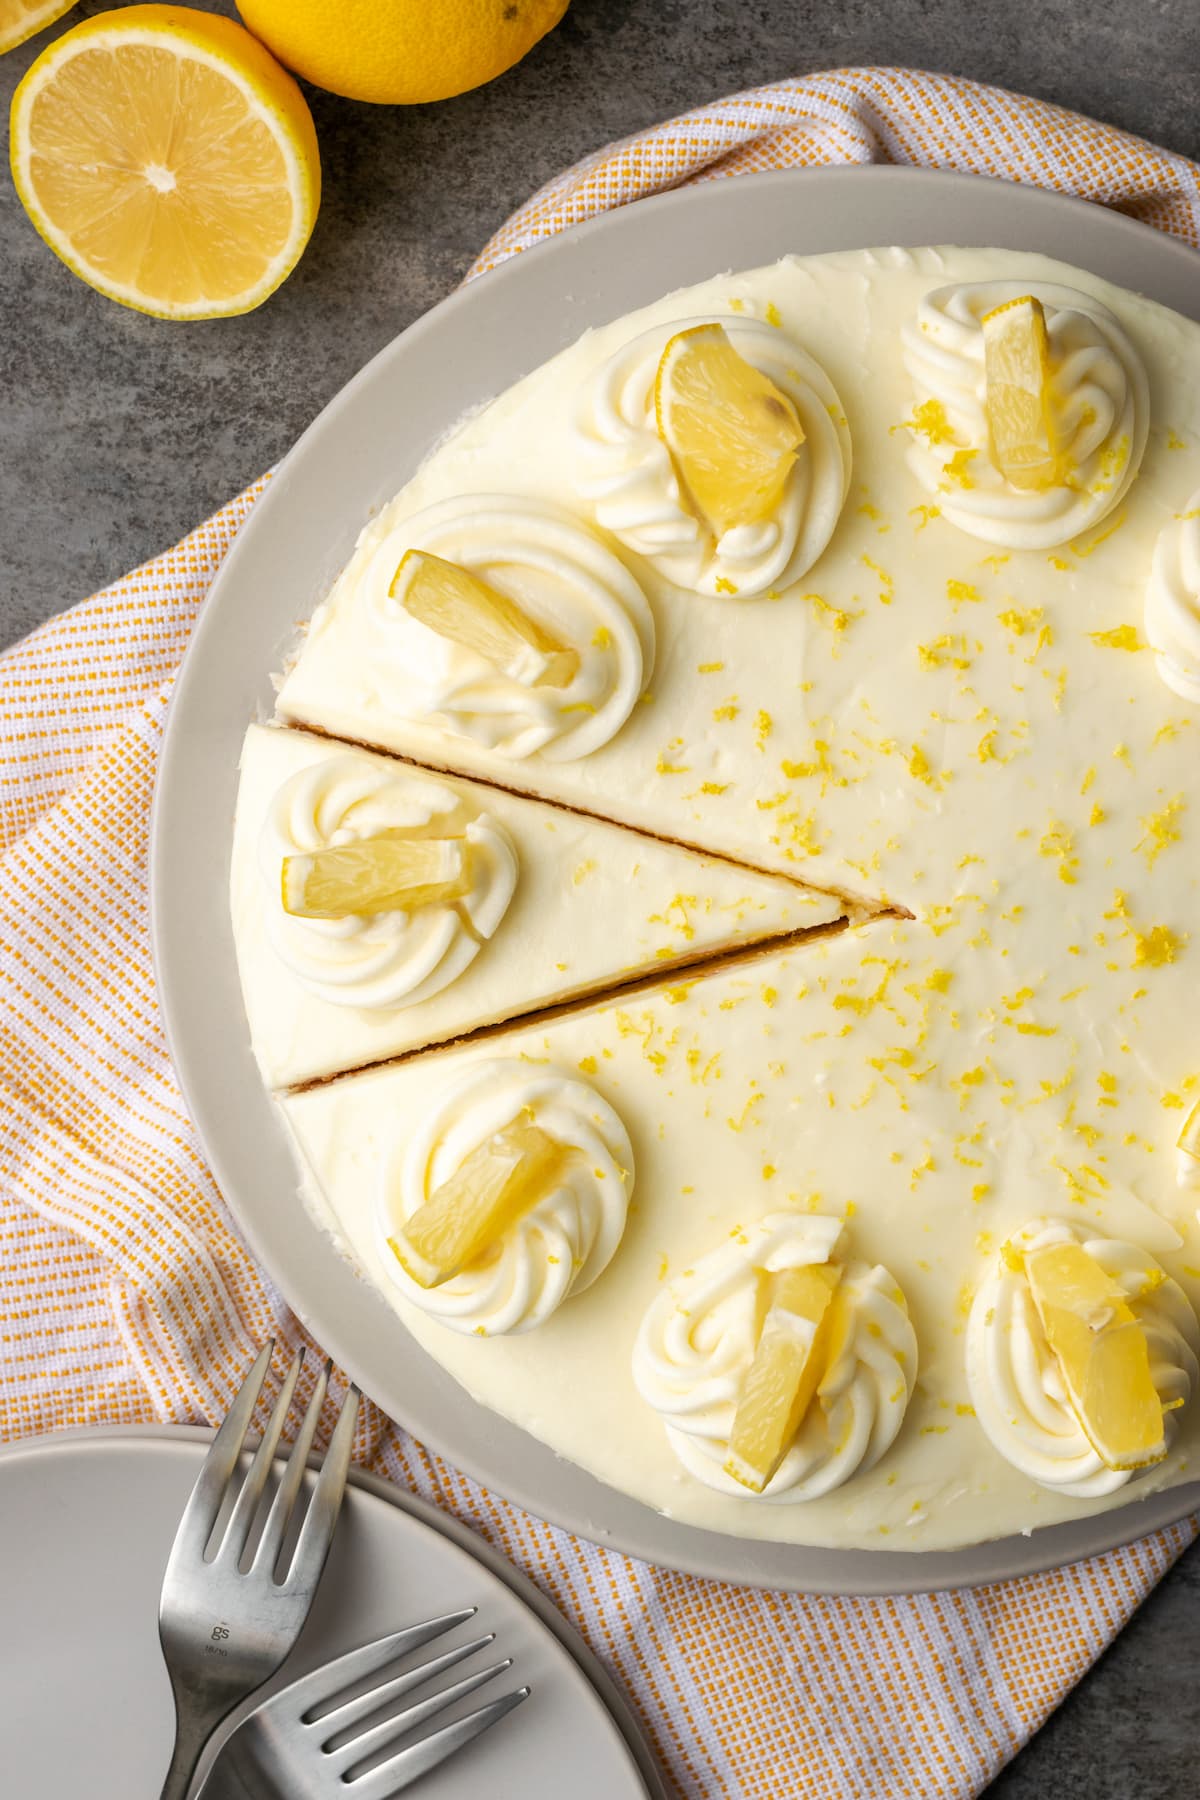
[302, 1742]
[225, 1629]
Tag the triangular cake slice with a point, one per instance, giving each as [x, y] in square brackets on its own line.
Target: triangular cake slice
[528, 905]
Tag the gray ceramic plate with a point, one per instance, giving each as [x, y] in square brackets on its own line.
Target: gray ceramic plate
[363, 447]
[87, 1519]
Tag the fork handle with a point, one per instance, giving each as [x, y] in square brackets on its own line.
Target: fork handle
[194, 1726]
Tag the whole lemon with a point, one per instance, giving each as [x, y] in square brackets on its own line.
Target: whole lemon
[400, 52]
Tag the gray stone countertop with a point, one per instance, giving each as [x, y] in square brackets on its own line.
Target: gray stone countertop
[119, 432]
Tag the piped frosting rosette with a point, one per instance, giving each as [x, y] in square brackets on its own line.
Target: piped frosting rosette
[1016, 1384]
[1099, 403]
[698, 1338]
[561, 1243]
[1173, 603]
[387, 959]
[624, 471]
[561, 575]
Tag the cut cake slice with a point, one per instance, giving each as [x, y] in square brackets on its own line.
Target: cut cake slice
[593, 907]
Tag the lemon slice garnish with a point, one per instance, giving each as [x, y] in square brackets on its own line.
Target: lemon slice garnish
[469, 611]
[1016, 361]
[169, 161]
[789, 1361]
[1102, 1352]
[733, 436]
[1189, 1138]
[488, 1192]
[389, 873]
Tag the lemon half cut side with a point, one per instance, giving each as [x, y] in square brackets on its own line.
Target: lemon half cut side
[169, 161]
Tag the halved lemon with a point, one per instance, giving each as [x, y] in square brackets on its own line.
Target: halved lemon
[169, 161]
[389, 873]
[1016, 361]
[469, 611]
[19, 19]
[789, 1361]
[486, 1195]
[733, 435]
[1102, 1352]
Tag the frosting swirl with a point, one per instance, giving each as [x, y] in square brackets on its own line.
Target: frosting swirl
[1098, 394]
[557, 571]
[1015, 1382]
[1173, 603]
[394, 958]
[698, 1338]
[623, 468]
[561, 1244]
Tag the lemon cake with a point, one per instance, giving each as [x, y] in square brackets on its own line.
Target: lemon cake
[877, 575]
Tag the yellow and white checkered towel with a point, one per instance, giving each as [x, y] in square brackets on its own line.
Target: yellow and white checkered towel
[125, 1292]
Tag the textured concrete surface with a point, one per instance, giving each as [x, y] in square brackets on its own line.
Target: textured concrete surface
[118, 432]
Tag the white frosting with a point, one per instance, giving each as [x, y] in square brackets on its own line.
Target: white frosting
[562, 576]
[623, 468]
[1173, 603]
[388, 959]
[1015, 1381]
[562, 1243]
[1099, 397]
[698, 1339]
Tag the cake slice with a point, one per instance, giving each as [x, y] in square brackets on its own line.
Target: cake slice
[513, 905]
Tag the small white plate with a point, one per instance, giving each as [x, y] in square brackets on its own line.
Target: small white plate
[86, 1523]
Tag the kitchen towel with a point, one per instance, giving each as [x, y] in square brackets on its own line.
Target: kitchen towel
[125, 1291]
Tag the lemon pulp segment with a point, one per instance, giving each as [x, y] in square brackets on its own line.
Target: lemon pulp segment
[1102, 1352]
[460, 606]
[733, 435]
[388, 873]
[487, 1193]
[1016, 360]
[170, 162]
[789, 1361]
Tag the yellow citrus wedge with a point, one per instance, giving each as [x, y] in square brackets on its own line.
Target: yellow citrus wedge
[789, 1361]
[732, 434]
[389, 873]
[469, 611]
[169, 161]
[1102, 1352]
[501, 1179]
[1189, 1138]
[1016, 360]
[19, 19]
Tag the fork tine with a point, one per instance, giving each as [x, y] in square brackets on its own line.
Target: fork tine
[402, 1724]
[204, 1503]
[246, 1505]
[267, 1553]
[344, 1716]
[432, 1751]
[305, 1695]
[316, 1532]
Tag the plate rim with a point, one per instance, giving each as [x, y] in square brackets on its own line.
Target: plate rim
[603, 1685]
[533, 1468]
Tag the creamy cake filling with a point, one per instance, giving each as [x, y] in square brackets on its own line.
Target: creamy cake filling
[979, 736]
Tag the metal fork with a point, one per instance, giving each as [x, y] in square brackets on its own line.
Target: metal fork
[303, 1743]
[224, 1630]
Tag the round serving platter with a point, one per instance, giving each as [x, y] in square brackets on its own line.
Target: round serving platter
[355, 456]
